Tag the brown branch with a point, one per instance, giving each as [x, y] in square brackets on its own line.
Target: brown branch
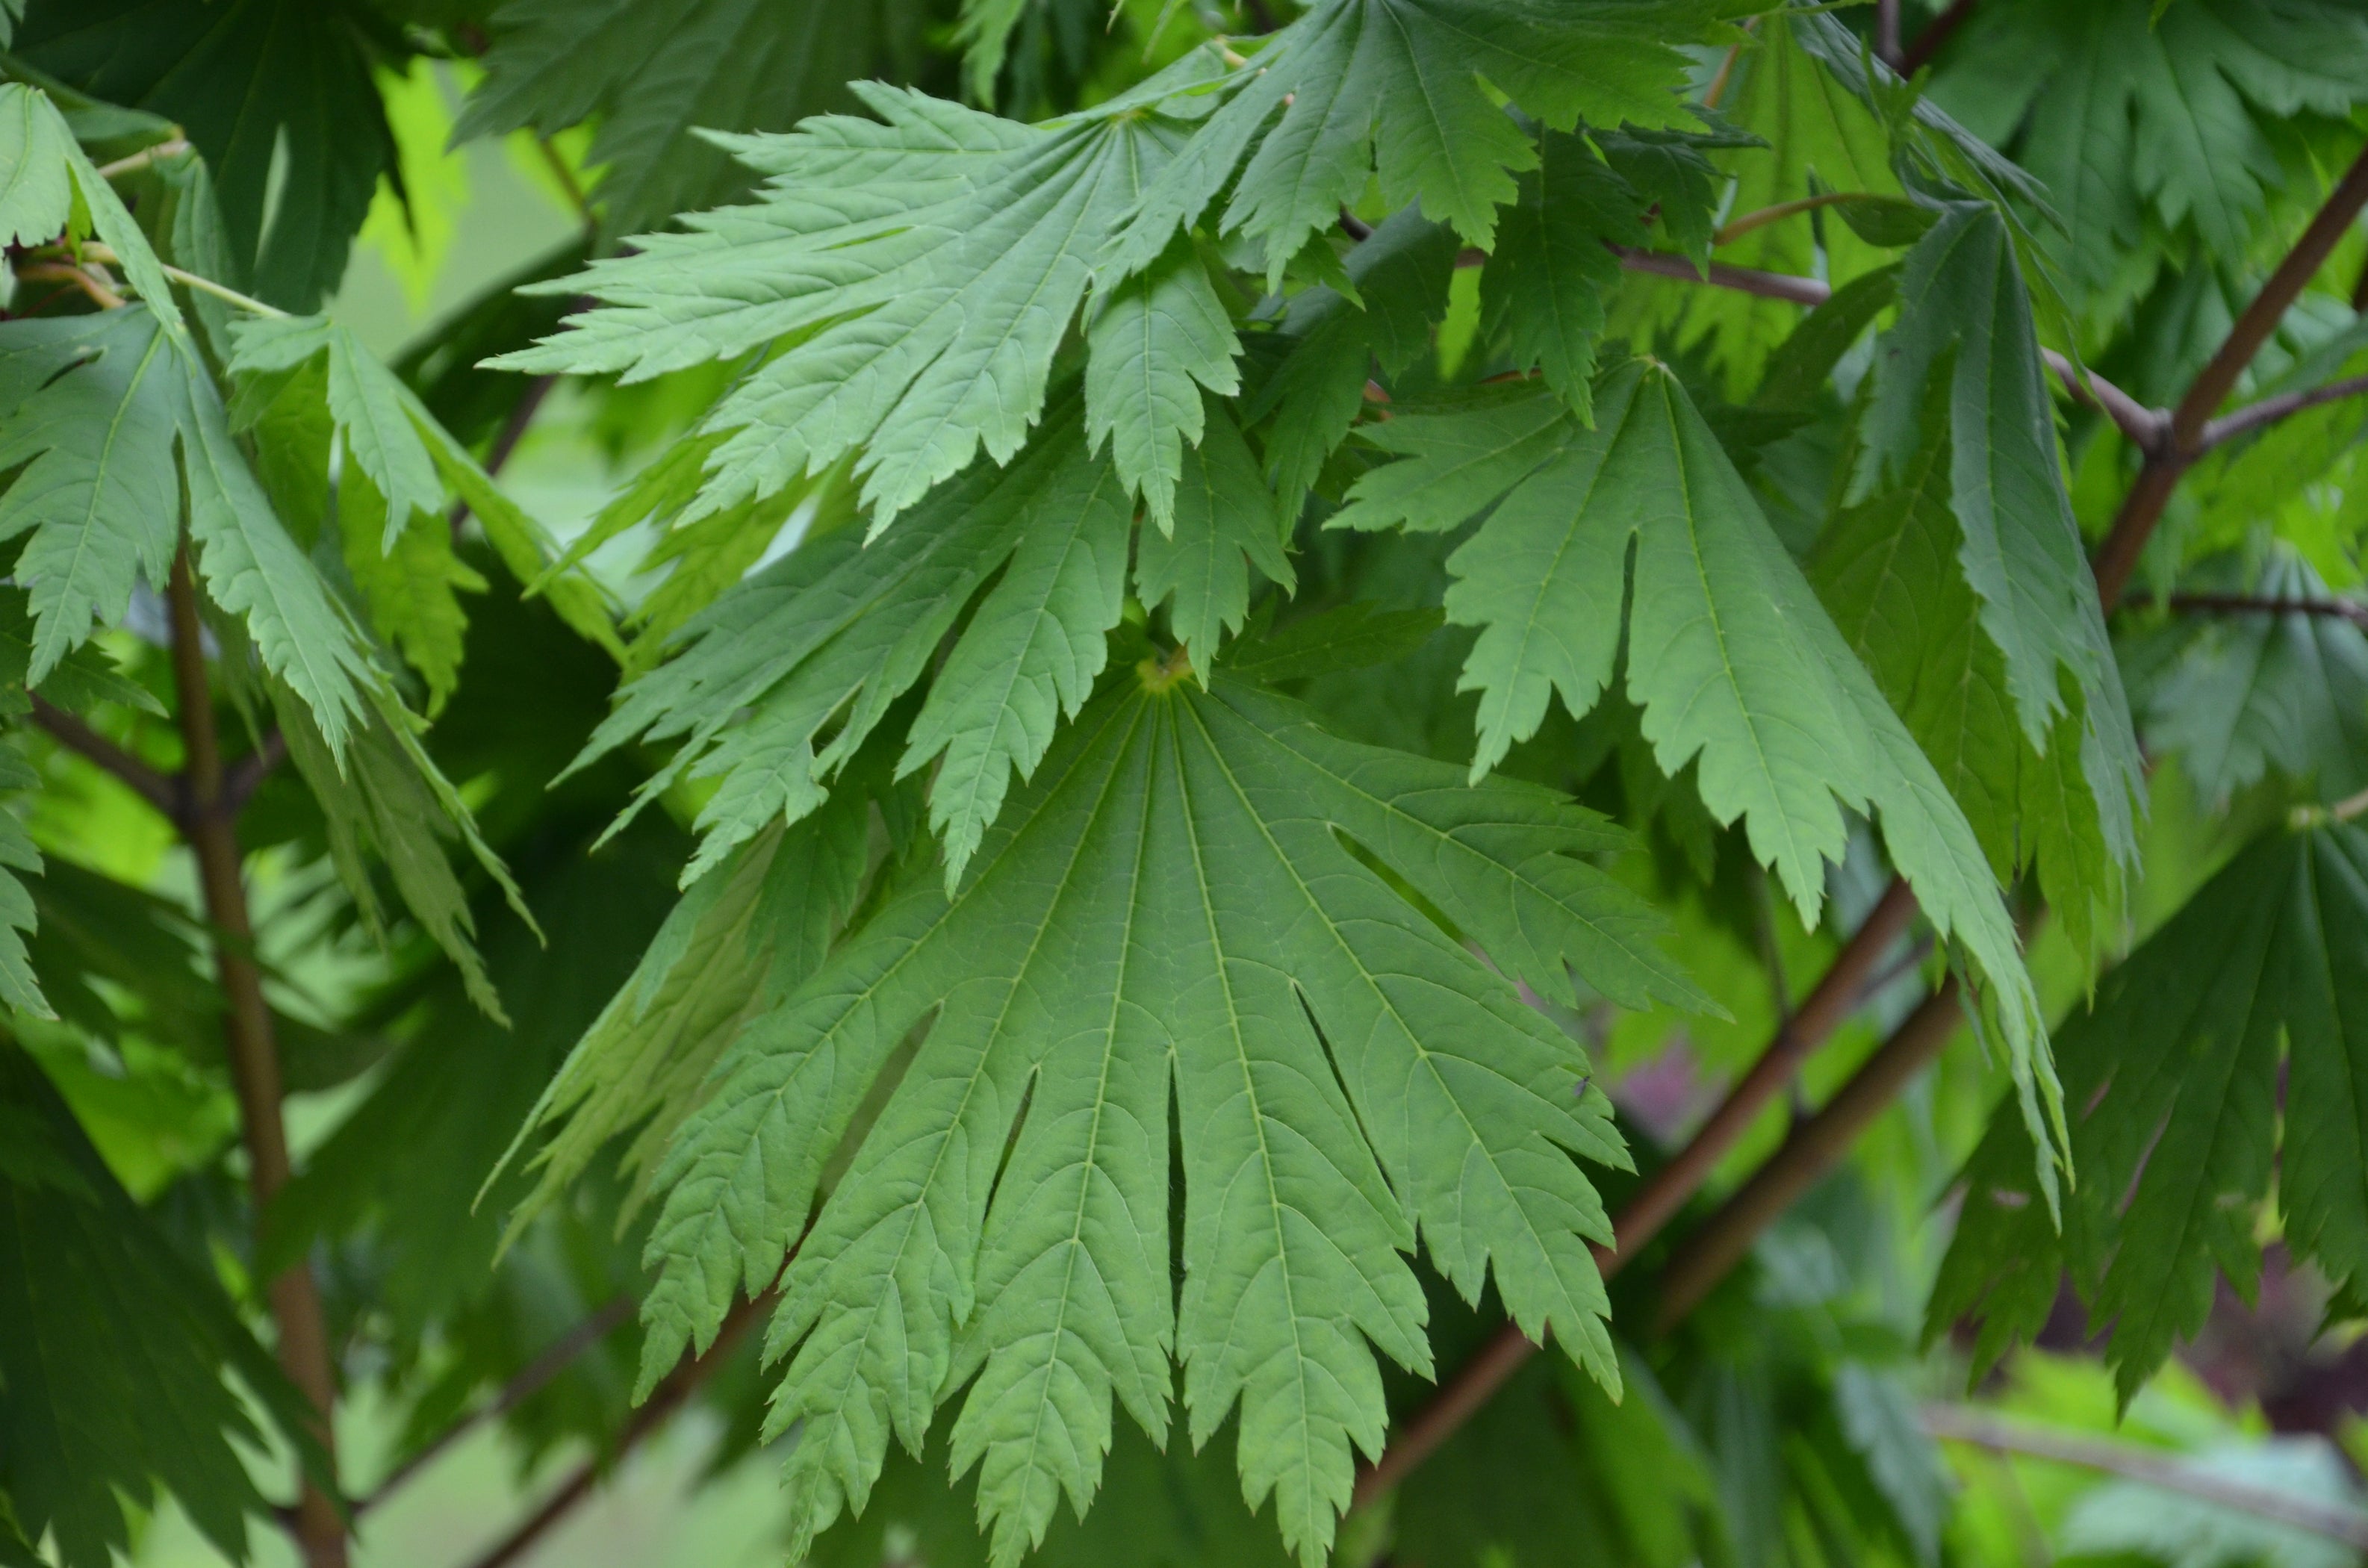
[506, 439]
[1817, 1144]
[1928, 44]
[1886, 33]
[664, 1400]
[152, 785]
[99, 294]
[537, 1372]
[1658, 1200]
[253, 1055]
[2184, 440]
[2149, 1467]
[2246, 604]
[2253, 415]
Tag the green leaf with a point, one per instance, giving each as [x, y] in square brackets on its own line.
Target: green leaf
[839, 629]
[2254, 692]
[1747, 679]
[2174, 1075]
[1157, 339]
[112, 1351]
[305, 382]
[1400, 88]
[98, 407]
[1543, 285]
[1966, 323]
[1886, 570]
[924, 270]
[1354, 636]
[384, 796]
[277, 94]
[650, 73]
[36, 149]
[745, 935]
[1227, 522]
[1399, 277]
[1172, 892]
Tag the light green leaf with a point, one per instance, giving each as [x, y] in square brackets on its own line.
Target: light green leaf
[1171, 894]
[925, 267]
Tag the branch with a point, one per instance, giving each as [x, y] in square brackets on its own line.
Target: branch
[663, 1401]
[1815, 1146]
[2246, 603]
[243, 778]
[1838, 994]
[1886, 33]
[2184, 441]
[2142, 425]
[538, 1372]
[2149, 1467]
[253, 1055]
[1927, 42]
[506, 439]
[158, 789]
[142, 158]
[2253, 415]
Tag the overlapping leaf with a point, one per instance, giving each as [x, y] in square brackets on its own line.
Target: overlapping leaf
[1400, 88]
[1736, 668]
[838, 629]
[2136, 110]
[922, 268]
[1966, 324]
[112, 1350]
[277, 94]
[113, 418]
[651, 72]
[2175, 1079]
[1172, 898]
[1886, 570]
[303, 378]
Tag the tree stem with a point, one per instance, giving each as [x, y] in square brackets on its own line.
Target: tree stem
[2185, 440]
[212, 831]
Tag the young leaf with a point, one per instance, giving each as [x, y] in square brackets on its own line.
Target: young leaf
[925, 267]
[1226, 521]
[1746, 678]
[1157, 339]
[1173, 893]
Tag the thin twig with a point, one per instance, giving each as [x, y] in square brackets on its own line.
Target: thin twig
[142, 158]
[2182, 441]
[1760, 219]
[203, 285]
[2248, 604]
[157, 788]
[253, 1055]
[2349, 809]
[243, 778]
[1886, 33]
[2149, 1467]
[505, 440]
[537, 1372]
[104, 297]
[2253, 415]
[670, 1396]
[1928, 44]
[2142, 425]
